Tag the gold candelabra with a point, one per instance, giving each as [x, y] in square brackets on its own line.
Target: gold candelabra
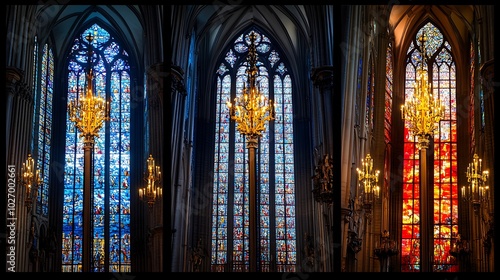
[251, 111]
[30, 179]
[422, 111]
[89, 112]
[152, 191]
[368, 177]
[476, 191]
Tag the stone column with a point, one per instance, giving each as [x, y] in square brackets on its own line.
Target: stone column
[19, 115]
[155, 79]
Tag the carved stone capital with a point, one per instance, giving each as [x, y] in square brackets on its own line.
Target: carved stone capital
[12, 77]
[24, 91]
[322, 76]
[155, 77]
[487, 75]
[346, 214]
[177, 81]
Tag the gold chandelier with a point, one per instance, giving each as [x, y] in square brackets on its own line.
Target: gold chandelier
[252, 109]
[422, 111]
[477, 191]
[368, 177]
[152, 191]
[30, 179]
[89, 112]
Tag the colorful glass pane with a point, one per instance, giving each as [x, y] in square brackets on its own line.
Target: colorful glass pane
[276, 216]
[43, 115]
[111, 159]
[444, 167]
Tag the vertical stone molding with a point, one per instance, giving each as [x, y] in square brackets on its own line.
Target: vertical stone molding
[19, 114]
[155, 89]
[322, 78]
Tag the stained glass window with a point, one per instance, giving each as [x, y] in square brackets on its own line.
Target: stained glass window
[35, 92]
[358, 103]
[275, 168]
[387, 118]
[444, 168]
[111, 159]
[388, 95]
[471, 101]
[42, 121]
[370, 93]
[45, 127]
[481, 92]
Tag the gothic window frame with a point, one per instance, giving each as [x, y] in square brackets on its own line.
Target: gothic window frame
[43, 118]
[112, 191]
[232, 65]
[445, 197]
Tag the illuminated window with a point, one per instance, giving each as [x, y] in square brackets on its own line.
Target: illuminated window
[111, 159]
[471, 101]
[275, 154]
[442, 75]
[370, 95]
[42, 122]
[388, 117]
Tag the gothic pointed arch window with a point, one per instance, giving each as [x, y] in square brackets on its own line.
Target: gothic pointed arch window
[388, 117]
[370, 95]
[275, 165]
[43, 81]
[111, 158]
[444, 178]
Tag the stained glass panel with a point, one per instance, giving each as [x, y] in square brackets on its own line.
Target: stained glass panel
[44, 116]
[444, 168]
[111, 159]
[276, 215]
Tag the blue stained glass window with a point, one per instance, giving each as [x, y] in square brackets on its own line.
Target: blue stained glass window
[42, 122]
[111, 159]
[275, 168]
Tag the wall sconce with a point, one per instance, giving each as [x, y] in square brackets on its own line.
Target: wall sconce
[476, 192]
[152, 191]
[30, 179]
[369, 179]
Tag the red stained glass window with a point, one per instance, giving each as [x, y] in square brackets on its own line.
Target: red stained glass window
[445, 179]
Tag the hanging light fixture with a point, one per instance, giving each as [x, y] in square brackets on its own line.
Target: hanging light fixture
[422, 111]
[30, 179]
[251, 109]
[152, 191]
[89, 112]
[476, 191]
[368, 177]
